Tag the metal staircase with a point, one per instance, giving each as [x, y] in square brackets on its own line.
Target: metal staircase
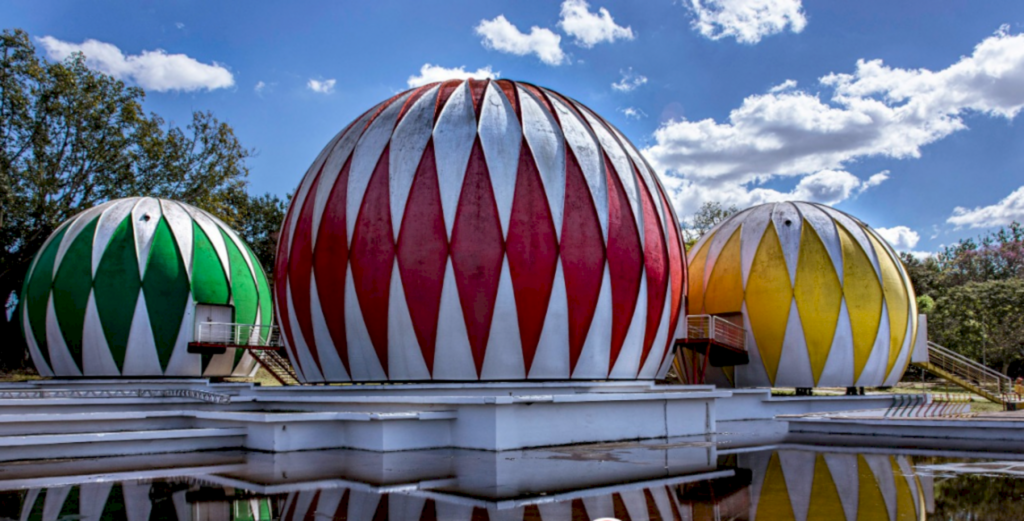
[262, 342]
[968, 374]
[277, 365]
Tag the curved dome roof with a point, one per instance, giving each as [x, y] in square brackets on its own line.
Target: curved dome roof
[479, 230]
[826, 301]
[113, 291]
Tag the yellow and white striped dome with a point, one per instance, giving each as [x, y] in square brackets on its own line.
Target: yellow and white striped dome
[824, 299]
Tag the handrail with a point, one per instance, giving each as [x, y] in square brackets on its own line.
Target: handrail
[936, 348]
[711, 327]
[236, 334]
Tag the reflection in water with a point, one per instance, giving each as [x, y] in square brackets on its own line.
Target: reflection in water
[770, 485]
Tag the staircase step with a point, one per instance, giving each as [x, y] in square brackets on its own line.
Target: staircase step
[98, 444]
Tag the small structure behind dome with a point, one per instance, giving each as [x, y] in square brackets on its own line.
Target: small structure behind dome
[120, 290]
[479, 231]
[825, 301]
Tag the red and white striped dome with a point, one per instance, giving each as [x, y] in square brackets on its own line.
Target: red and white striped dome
[479, 230]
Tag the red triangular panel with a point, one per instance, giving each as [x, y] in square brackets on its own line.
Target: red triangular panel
[330, 263]
[625, 260]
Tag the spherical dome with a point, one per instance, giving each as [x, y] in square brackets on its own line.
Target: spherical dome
[479, 230]
[825, 300]
[114, 292]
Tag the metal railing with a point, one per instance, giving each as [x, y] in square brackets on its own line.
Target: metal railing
[977, 374]
[718, 329]
[191, 394]
[239, 335]
[930, 406]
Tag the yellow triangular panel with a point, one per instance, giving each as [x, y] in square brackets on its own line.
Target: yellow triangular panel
[870, 503]
[863, 299]
[696, 280]
[825, 502]
[905, 510]
[774, 501]
[896, 298]
[768, 300]
[724, 293]
[818, 298]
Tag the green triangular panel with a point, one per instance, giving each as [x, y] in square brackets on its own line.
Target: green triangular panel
[209, 284]
[238, 358]
[243, 285]
[36, 514]
[114, 509]
[71, 290]
[72, 504]
[166, 288]
[36, 293]
[117, 289]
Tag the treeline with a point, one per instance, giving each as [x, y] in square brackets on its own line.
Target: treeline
[973, 294]
[72, 138]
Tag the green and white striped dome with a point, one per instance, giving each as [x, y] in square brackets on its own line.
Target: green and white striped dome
[113, 292]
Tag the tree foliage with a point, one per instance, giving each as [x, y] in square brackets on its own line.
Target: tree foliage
[71, 138]
[704, 219]
[973, 292]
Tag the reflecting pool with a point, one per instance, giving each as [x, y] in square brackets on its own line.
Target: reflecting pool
[687, 479]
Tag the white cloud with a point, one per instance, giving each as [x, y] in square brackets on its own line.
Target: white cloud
[499, 34]
[151, 70]
[433, 73]
[634, 113]
[875, 180]
[1006, 211]
[876, 111]
[321, 86]
[179, 25]
[784, 86]
[259, 87]
[746, 20]
[630, 81]
[590, 29]
[901, 238]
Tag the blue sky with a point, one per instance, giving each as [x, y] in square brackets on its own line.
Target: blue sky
[905, 114]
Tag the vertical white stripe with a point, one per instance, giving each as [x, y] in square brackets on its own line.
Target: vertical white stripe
[55, 498]
[857, 232]
[588, 154]
[310, 372]
[795, 363]
[718, 242]
[330, 361]
[367, 155]
[838, 371]
[183, 363]
[145, 216]
[78, 222]
[140, 357]
[60, 357]
[405, 359]
[547, 144]
[340, 150]
[105, 226]
[97, 360]
[593, 360]
[789, 235]
[755, 222]
[825, 227]
[212, 232]
[657, 352]
[33, 348]
[92, 498]
[628, 363]
[551, 359]
[798, 473]
[362, 358]
[407, 145]
[881, 467]
[454, 135]
[501, 138]
[363, 505]
[873, 374]
[843, 468]
[453, 357]
[181, 227]
[754, 374]
[503, 358]
[137, 504]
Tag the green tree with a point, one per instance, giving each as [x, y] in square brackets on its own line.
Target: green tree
[704, 219]
[983, 320]
[259, 221]
[71, 138]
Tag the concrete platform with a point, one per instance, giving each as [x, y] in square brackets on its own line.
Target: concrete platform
[192, 414]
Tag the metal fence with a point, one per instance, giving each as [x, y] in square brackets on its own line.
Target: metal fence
[988, 379]
[242, 335]
[946, 405]
[716, 328]
[191, 394]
